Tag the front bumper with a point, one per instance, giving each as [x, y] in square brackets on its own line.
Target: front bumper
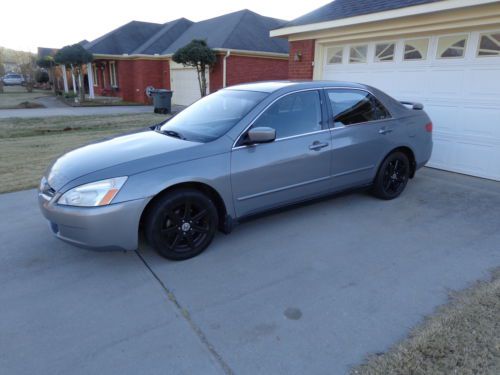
[113, 227]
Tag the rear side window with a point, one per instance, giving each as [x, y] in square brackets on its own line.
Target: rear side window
[294, 114]
[355, 106]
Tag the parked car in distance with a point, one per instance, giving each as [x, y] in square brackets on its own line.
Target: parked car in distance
[12, 79]
[235, 153]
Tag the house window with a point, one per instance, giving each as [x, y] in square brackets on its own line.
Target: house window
[95, 76]
[489, 44]
[112, 74]
[452, 46]
[334, 55]
[416, 49]
[357, 54]
[384, 52]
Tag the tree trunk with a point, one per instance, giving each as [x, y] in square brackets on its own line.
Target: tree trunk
[198, 75]
[203, 81]
[1, 86]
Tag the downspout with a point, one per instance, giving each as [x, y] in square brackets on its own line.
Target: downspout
[224, 68]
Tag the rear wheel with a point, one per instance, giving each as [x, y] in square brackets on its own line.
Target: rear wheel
[392, 176]
[181, 224]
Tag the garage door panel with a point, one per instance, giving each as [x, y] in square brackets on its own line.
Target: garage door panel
[480, 121]
[445, 82]
[483, 82]
[462, 97]
[444, 117]
[185, 86]
[413, 82]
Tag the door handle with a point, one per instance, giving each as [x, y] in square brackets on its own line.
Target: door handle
[384, 130]
[317, 145]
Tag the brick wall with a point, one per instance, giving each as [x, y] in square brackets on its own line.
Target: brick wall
[133, 76]
[302, 69]
[242, 69]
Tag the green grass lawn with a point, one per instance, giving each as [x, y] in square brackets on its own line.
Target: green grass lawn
[27, 146]
[13, 96]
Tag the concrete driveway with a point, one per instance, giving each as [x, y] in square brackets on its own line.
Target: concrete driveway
[305, 291]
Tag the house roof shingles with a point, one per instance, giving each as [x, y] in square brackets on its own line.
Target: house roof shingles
[242, 30]
[165, 37]
[125, 39]
[339, 9]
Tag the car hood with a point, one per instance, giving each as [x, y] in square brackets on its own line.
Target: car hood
[119, 150]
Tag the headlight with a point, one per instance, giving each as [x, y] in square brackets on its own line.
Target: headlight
[99, 193]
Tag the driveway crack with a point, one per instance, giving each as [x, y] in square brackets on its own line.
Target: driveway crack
[185, 313]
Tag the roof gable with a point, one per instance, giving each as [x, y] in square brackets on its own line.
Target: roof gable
[339, 9]
[243, 30]
[165, 37]
[125, 39]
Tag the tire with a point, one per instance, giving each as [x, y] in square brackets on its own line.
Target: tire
[392, 176]
[181, 224]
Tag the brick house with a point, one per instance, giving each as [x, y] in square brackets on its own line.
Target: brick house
[443, 53]
[138, 55]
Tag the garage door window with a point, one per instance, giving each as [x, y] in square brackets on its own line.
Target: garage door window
[384, 52]
[294, 114]
[351, 107]
[357, 54]
[452, 46]
[334, 55]
[416, 49]
[489, 44]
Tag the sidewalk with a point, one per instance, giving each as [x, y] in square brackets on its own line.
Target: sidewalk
[74, 111]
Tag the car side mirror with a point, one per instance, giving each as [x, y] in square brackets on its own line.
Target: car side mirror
[260, 135]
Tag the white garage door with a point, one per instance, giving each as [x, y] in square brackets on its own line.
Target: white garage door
[457, 77]
[184, 84]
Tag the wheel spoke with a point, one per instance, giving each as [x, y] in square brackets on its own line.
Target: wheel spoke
[187, 210]
[189, 239]
[175, 241]
[170, 230]
[176, 220]
[198, 229]
[200, 215]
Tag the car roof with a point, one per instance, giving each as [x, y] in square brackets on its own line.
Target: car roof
[272, 86]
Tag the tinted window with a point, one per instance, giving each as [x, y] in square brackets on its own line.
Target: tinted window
[213, 115]
[293, 114]
[355, 106]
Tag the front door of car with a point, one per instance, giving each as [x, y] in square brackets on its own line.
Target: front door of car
[295, 166]
[363, 133]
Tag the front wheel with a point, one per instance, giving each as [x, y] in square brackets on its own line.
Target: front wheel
[181, 224]
[392, 176]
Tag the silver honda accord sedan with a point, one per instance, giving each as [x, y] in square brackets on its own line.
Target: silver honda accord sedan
[235, 153]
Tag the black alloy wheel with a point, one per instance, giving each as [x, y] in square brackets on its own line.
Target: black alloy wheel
[182, 224]
[392, 176]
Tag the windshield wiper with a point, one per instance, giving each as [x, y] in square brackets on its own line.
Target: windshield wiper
[170, 133]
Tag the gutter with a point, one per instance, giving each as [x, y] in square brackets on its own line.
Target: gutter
[414, 10]
[224, 68]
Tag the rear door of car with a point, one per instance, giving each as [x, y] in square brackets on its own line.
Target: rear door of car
[363, 132]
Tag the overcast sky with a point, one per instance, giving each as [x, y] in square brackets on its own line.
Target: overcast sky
[29, 24]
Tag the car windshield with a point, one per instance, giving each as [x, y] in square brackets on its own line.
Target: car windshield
[212, 116]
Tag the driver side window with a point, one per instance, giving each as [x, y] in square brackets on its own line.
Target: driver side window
[294, 114]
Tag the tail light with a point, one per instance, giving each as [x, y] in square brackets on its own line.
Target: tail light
[428, 127]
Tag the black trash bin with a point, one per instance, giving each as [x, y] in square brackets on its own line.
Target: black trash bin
[162, 101]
